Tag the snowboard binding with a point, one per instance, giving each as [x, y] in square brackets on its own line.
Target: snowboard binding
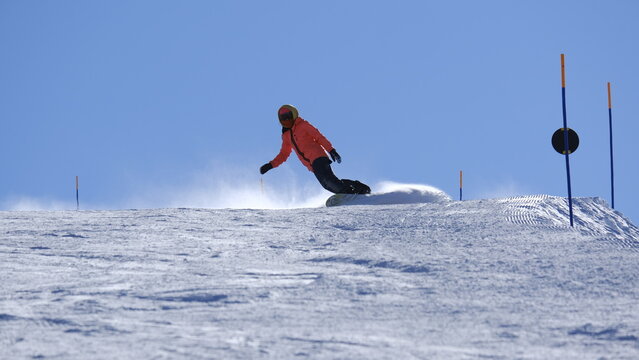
[355, 187]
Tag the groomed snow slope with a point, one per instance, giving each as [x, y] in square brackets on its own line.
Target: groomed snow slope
[495, 279]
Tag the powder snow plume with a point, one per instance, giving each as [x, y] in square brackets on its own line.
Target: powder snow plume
[251, 194]
[248, 195]
[26, 203]
[224, 186]
[410, 193]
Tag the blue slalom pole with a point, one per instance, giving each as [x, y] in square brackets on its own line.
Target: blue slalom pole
[566, 146]
[77, 193]
[612, 168]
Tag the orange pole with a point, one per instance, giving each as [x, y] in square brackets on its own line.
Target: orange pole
[609, 98]
[460, 184]
[563, 72]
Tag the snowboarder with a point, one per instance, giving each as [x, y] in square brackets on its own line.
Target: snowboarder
[311, 148]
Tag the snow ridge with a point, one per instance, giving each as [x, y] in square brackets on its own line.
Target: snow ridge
[592, 217]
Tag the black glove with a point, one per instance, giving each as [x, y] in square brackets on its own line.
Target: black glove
[335, 156]
[266, 167]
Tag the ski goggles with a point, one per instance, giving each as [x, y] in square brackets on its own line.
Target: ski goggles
[285, 115]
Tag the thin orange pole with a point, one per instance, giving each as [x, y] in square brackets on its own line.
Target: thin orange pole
[460, 184]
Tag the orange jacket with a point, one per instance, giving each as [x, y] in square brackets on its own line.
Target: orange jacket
[308, 142]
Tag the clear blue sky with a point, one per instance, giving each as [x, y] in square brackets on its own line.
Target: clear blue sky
[140, 95]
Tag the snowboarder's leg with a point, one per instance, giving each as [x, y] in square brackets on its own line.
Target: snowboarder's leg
[326, 177]
[328, 180]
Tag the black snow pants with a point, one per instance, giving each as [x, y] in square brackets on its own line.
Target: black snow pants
[328, 180]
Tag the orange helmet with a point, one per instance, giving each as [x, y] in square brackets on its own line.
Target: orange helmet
[287, 115]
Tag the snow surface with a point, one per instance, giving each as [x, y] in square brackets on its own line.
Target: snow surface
[497, 279]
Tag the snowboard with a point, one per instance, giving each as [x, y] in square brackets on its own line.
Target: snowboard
[343, 199]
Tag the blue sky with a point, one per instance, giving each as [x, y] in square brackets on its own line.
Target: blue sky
[152, 101]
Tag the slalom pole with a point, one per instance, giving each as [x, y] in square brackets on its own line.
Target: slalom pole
[460, 185]
[612, 171]
[262, 185]
[566, 146]
[77, 193]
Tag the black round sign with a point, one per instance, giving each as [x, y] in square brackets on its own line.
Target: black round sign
[558, 141]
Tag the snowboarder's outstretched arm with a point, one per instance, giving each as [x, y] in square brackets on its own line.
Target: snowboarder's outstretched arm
[284, 153]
